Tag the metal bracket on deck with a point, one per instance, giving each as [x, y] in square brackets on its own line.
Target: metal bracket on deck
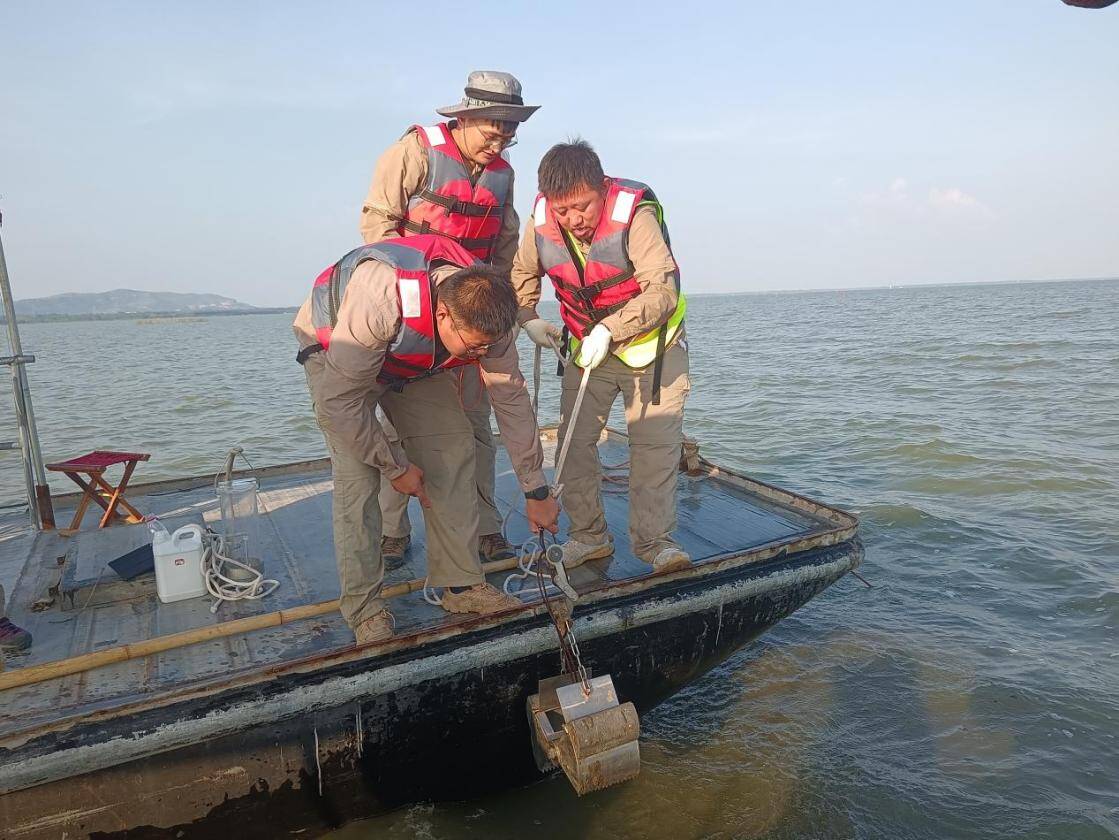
[591, 737]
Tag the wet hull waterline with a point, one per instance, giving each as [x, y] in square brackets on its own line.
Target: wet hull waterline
[296, 730]
[310, 752]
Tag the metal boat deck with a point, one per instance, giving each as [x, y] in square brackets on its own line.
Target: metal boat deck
[65, 594]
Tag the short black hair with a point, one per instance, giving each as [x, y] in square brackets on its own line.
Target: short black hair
[568, 166]
[480, 298]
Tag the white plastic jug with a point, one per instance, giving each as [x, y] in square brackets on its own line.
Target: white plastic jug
[178, 563]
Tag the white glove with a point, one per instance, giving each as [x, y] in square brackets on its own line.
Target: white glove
[595, 347]
[543, 332]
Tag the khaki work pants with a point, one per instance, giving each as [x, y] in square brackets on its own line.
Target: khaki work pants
[476, 405]
[437, 438]
[655, 436]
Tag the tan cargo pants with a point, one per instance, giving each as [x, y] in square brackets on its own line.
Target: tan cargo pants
[437, 438]
[655, 436]
[476, 404]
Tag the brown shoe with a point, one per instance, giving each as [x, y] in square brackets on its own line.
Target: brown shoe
[393, 550]
[376, 628]
[482, 598]
[494, 547]
[670, 559]
[576, 553]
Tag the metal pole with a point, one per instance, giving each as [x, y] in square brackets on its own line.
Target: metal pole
[25, 448]
[38, 494]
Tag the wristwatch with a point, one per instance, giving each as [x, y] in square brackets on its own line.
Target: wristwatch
[539, 494]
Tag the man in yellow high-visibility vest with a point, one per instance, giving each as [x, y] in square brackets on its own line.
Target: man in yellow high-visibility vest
[603, 244]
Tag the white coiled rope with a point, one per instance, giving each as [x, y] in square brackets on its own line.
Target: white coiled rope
[250, 585]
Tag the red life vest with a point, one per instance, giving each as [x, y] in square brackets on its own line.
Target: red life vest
[412, 354]
[450, 204]
[588, 293]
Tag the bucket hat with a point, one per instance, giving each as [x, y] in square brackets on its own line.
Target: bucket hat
[491, 95]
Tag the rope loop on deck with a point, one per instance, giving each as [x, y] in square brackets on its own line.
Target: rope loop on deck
[217, 566]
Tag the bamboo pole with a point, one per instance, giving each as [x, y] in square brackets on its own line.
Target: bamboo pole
[138, 650]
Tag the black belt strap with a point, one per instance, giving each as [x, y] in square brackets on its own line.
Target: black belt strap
[397, 383]
[598, 313]
[592, 315]
[308, 351]
[586, 293]
[467, 242]
[455, 205]
[492, 96]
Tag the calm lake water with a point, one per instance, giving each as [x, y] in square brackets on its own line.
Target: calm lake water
[973, 692]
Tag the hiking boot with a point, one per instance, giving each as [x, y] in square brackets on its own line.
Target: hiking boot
[393, 550]
[481, 598]
[493, 547]
[376, 628]
[576, 553]
[671, 559]
[13, 637]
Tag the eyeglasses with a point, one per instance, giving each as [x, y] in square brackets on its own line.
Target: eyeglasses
[496, 141]
[471, 350]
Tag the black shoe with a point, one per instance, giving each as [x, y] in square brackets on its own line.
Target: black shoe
[12, 637]
[393, 550]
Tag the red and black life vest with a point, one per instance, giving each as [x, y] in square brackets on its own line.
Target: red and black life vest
[605, 283]
[412, 354]
[450, 203]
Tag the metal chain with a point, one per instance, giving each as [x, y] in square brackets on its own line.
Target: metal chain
[573, 646]
[571, 661]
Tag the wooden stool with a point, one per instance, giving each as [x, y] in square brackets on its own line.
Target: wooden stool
[97, 489]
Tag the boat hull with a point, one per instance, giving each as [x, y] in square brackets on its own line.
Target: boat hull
[311, 749]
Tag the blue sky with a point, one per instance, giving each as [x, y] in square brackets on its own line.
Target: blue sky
[227, 147]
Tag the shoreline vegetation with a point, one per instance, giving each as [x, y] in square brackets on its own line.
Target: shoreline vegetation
[148, 317]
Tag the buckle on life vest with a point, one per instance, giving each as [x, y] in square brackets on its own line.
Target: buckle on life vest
[584, 294]
[457, 205]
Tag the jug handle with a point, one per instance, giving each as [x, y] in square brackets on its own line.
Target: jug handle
[181, 533]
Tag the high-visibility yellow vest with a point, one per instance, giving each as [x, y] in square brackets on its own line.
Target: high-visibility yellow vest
[641, 351]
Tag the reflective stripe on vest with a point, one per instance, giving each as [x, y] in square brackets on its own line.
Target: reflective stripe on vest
[412, 353]
[592, 287]
[450, 204]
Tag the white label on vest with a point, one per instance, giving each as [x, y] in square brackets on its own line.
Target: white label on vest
[540, 214]
[434, 135]
[409, 297]
[623, 206]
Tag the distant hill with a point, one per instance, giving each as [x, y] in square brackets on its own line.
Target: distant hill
[126, 302]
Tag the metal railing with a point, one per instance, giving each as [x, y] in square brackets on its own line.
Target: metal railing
[34, 475]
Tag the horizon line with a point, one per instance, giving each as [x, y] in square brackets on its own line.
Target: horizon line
[771, 291]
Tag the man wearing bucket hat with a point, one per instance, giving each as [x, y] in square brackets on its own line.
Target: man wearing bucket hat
[452, 179]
